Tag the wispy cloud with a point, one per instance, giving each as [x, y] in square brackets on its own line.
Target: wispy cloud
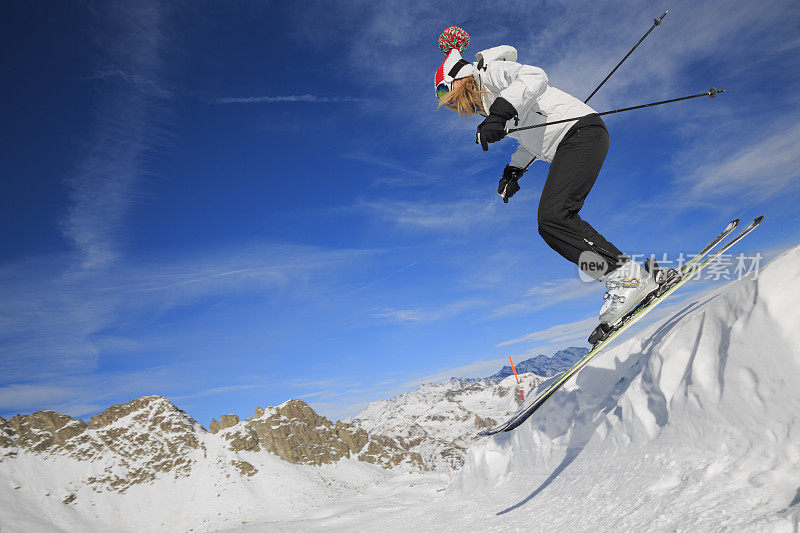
[457, 215]
[550, 293]
[83, 394]
[559, 333]
[308, 98]
[753, 166]
[399, 174]
[105, 180]
[380, 279]
[474, 369]
[218, 390]
[430, 314]
[54, 320]
[147, 84]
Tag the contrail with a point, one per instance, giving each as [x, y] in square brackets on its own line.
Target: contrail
[368, 285]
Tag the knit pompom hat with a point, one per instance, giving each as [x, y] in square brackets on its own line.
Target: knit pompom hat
[452, 42]
[453, 38]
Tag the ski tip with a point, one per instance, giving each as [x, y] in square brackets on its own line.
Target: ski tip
[732, 224]
[754, 224]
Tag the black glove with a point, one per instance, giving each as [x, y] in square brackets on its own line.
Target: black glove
[493, 128]
[508, 183]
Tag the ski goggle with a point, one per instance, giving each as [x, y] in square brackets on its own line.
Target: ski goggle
[442, 89]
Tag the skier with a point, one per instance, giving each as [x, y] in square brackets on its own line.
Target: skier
[509, 94]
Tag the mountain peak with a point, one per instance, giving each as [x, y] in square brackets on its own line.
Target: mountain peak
[543, 365]
[297, 434]
[146, 409]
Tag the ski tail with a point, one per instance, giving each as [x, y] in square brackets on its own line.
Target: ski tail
[698, 263]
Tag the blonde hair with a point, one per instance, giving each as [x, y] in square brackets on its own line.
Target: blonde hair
[464, 98]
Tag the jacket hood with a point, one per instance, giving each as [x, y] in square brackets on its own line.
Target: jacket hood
[503, 52]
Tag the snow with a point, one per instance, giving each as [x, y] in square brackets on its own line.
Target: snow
[691, 425]
[213, 497]
[438, 415]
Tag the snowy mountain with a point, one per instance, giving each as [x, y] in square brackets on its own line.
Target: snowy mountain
[441, 420]
[58, 472]
[126, 444]
[543, 365]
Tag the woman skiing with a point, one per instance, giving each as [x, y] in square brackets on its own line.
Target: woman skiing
[509, 94]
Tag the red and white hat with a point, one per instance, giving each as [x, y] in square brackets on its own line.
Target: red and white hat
[452, 42]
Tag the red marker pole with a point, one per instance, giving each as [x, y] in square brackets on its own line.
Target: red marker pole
[514, 369]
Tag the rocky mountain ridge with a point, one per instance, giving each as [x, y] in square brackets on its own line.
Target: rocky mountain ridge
[544, 365]
[139, 441]
[135, 441]
[297, 434]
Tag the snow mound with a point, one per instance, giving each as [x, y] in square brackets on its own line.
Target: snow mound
[694, 424]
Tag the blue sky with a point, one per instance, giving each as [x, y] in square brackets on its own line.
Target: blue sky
[232, 204]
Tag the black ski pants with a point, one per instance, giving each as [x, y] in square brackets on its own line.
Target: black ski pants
[573, 172]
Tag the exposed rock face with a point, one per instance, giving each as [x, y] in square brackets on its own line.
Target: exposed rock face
[297, 434]
[225, 421]
[137, 440]
[245, 468]
[40, 431]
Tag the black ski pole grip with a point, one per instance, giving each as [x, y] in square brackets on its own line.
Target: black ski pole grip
[480, 141]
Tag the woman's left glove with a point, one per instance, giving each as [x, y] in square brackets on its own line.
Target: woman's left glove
[508, 186]
[493, 128]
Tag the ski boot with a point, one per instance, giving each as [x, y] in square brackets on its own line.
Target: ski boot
[629, 287]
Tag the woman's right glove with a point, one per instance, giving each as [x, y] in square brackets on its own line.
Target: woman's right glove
[493, 128]
[508, 183]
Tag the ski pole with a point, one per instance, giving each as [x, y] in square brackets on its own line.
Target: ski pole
[656, 22]
[712, 92]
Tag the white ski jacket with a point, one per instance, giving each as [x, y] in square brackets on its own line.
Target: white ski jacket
[526, 88]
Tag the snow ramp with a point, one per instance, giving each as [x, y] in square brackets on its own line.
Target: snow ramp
[693, 425]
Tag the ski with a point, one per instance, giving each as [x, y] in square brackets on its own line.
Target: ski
[692, 267]
[665, 279]
[710, 246]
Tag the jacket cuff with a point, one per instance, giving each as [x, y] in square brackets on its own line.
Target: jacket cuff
[502, 108]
